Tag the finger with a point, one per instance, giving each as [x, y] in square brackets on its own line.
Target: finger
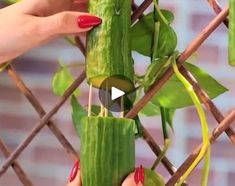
[80, 5]
[70, 23]
[76, 181]
[44, 8]
[74, 177]
[135, 178]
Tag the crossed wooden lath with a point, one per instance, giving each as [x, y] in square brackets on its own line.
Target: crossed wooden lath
[45, 118]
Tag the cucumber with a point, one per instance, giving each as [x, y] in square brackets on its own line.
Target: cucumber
[231, 42]
[108, 45]
[151, 178]
[107, 153]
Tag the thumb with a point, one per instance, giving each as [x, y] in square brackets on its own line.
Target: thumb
[74, 178]
[70, 23]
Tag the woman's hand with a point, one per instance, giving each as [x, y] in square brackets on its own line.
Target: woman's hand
[135, 178]
[30, 23]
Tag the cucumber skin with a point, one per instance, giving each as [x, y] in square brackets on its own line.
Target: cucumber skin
[107, 153]
[151, 178]
[109, 44]
[231, 41]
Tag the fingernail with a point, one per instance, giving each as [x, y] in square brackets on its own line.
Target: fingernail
[74, 171]
[139, 175]
[86, 21]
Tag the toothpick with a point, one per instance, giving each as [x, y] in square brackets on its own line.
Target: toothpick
[106, 102]
[90, 100]
[122, 107]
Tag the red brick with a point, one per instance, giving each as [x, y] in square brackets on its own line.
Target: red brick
[42, 181]
[15, 122]
[208, 54]
[146, 162]
[220, 149]
[229, 84]
[200, 20]
[156, 134]
[9, 179]
[10, 93]
[54, 155]
[195, 178]
[192, 117]
[66, 126]
[223, 149]
[192, 143]
[11, 146]
[231, 178]
[45, 95]
[83, 97]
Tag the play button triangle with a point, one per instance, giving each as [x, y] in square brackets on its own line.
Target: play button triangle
[116, 93]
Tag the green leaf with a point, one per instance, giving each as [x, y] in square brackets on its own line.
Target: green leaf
[95, 111]
[154, 71]
[152, 178]
[138, 128]
[78, 112]
[150, 109]
[167, 41]
[168, 15]
[169, 117]
[173, 94]
[142, 34]
[62, 79]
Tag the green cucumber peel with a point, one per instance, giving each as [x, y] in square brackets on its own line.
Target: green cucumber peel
[231, 42]
[151, 178]
[108, 47]
[107, 153]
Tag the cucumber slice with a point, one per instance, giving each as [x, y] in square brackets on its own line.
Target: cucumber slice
[108, 45]
[107, 153]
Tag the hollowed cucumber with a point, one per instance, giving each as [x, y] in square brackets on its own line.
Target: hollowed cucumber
[107, 153]
[108, 45]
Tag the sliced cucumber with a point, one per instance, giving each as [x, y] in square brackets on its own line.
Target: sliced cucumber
[108, 45]
[107, 153]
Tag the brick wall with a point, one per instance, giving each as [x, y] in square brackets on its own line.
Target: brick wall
[48, 164]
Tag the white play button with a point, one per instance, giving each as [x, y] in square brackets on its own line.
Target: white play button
[116, 93]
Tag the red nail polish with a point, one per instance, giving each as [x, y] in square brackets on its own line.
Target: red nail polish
[139, 175]
[74, 171]
[86, 21]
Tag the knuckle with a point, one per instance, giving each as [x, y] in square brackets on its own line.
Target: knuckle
[61, 20]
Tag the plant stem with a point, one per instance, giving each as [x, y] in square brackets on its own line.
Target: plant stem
[164, 20]
[205, 150]
[164, 123]
[70, 40]
[162, 154]
[155, 41]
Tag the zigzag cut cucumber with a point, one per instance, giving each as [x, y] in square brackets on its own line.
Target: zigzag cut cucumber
[107, 153]
[108, 45]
